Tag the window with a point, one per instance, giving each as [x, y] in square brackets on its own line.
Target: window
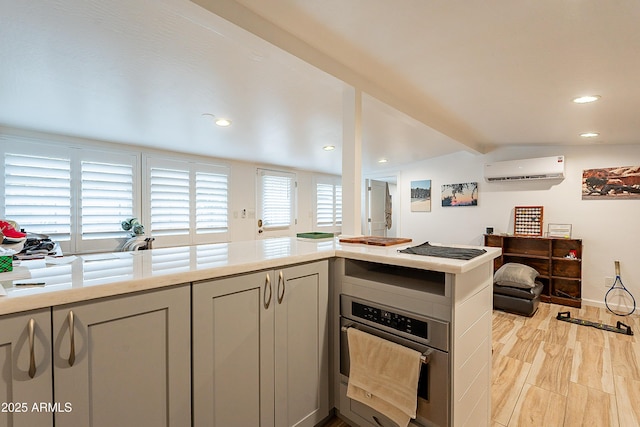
[324, 205]
[328, 204]
[108, 194]
[37, 193]
[211, 203]
[188, 202]
[338, 205]
[276, 199]
[77, 196]
[170, 201]
[106, 200]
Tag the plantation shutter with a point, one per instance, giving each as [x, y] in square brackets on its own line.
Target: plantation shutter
[188, 202]
[211, 203]
[106, 199]
[324, 205]
[328, 205]
[277, 199]
[338, 205]
[37, 194]
[169, 200]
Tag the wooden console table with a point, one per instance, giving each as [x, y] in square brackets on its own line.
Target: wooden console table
[558, 269]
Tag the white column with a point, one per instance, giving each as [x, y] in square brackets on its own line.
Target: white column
[351, 162]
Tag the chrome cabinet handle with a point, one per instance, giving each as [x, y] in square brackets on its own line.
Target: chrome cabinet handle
[267, 285]
[281, 280]
[32, 354]
[72, 353]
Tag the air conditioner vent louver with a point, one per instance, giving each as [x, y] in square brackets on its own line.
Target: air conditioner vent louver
[526, 169]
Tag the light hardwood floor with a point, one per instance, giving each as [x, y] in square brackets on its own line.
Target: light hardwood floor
[552, 373]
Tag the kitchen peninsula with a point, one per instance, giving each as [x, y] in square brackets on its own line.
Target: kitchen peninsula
[261, 311]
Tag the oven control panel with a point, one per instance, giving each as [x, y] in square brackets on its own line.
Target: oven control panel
[390, 319]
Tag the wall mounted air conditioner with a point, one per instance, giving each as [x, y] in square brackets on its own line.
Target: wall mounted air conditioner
[525, 169]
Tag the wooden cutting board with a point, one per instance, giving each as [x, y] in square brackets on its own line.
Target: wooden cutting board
[376, 241]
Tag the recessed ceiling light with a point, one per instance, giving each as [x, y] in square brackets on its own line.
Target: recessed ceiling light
[586, 99]
[329, 147]
[220, 121]
[589, 134]
[382, 161]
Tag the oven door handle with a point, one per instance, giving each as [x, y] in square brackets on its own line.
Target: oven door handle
[424, 357]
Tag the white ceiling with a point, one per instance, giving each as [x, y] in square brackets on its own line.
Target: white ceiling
[437, 77]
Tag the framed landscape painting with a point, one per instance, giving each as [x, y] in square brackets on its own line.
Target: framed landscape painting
[421, 196]
[611, 183]
[465, 194]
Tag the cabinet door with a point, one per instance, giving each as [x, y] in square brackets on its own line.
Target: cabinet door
[124, 361]
[233, 351]
[301, 345]
[25, 364]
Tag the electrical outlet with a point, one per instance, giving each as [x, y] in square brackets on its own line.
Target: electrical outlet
[608, 281]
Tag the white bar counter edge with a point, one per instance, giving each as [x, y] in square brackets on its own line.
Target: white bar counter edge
[93, 276]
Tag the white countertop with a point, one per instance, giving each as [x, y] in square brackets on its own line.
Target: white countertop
[73, 279]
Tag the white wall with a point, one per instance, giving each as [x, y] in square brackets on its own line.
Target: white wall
[609, 229]
[242, 195]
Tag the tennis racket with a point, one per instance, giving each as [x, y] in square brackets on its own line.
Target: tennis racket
[620, 294]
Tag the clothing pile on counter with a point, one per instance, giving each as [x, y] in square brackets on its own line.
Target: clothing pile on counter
[10, 232]
[39, 245]
[26, 245]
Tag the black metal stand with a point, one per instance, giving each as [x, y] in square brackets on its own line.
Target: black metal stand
[620, 327]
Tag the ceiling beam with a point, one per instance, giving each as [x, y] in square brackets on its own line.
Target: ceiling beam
[394, 93]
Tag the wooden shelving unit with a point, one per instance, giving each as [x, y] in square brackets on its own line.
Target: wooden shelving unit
[561, 275]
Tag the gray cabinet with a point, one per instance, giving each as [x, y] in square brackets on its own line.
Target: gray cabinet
[124, 361]
[260, 348]
[301, 345]
[232, 363]
[25, 367]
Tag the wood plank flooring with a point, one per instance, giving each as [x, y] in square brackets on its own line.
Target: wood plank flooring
[552, 373]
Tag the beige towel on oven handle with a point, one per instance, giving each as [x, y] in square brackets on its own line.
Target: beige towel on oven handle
[383, 375]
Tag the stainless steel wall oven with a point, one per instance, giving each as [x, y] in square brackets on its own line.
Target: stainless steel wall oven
[418, 331]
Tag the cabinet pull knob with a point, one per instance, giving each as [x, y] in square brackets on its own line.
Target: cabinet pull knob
[267, 286]
[280, 280]
[72, 352]
[32, 354]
